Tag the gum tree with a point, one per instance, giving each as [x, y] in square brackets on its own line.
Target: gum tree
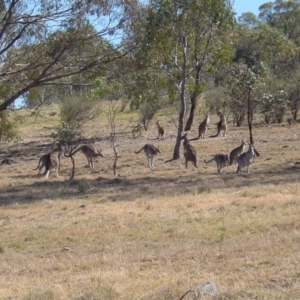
[42, 42]
[185, 40]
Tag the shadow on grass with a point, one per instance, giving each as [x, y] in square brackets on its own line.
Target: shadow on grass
[105, 189]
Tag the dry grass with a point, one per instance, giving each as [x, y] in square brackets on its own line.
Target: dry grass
[151, 235]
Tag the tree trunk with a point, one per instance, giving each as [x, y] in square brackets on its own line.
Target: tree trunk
[176, 153]
[190, 120]
[73, 167]
[194, 95]
[249, 117]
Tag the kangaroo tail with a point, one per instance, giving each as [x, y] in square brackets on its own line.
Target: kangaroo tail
[256, 152]
[137, 152]
[76, 150]
[38, 165]
[195, 139]
[208, 161]
[216, 135]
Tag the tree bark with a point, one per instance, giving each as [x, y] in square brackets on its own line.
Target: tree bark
[176, 153]
[194, 95]
[190, 120]
[249, 117]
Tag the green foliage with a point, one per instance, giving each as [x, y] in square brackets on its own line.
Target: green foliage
[66, 133]
[77, 110]
[38, 96]
[9, 124]
[102, 88]
[74, 112]
[274, 106]
[284, 16]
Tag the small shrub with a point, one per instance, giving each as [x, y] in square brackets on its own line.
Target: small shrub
[66, 133]
[9, 124]
[82, 187]
[78, 110]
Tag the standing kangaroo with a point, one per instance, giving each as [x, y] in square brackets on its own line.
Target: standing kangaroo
[234, 154]
[221, 126]
[245, 159]
[221, 161]
[50, 161]
[150, 151]
[190, 153]
[202, 129]
[161, 131]
[90, 153]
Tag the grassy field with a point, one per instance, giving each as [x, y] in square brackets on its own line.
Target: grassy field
[150, 235]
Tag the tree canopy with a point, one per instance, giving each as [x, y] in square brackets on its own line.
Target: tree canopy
[44, 42]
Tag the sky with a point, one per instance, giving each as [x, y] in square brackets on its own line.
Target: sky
[241, 6]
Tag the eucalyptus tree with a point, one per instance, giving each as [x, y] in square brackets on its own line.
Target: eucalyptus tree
[283, 15]
[256, 45]
[46, 43]
[185, 40]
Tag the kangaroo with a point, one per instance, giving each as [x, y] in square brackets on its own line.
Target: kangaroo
[190, 153]
[161, 131]
[150, 151]
[221, 161]
[222, 125]
[245, 159]
[202, 129]
[50, 161]
[234, 154]
[90, 153]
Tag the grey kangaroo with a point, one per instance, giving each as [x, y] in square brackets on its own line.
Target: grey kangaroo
[150, 151]
[161, 131]
[245, 159]
[221, 126]
[190, 153]
[51, 161]
[202, 129]
[90, 153]
[234, 154]
[221, 160]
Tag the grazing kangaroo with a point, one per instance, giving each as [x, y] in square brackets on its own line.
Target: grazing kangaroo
[221, 126]
[234, 154]
[221, 161]
[50, 161]
[245, 159]
[150, 151]
[190, 153]
[161, 131]
[90, 153]
[202, 129]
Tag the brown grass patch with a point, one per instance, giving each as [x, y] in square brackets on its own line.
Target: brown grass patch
[151, 235]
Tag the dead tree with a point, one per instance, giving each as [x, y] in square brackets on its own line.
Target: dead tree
[111, 115]
[68, 152]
